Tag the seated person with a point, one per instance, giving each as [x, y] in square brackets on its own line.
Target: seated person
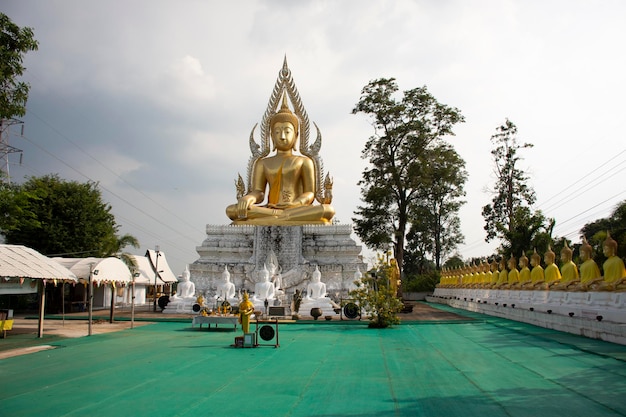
[185, 289]
[316, 288]
[226, 289]
[264, 289]
[524, 273]
[290, 178]
[589, 271]
[569, 270]
[614, 270]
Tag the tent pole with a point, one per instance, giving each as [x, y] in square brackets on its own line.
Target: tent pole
[90, 314]
[112, 314]
[42, 307]
[63, 301]
[132, 304]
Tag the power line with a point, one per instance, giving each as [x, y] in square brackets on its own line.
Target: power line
[105, 188]
[585, 176]
[109, 170]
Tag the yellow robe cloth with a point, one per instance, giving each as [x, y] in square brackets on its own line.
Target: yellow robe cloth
[569, 272]
[552, 273]
[613, 269]
[589, 271]
[537, 274]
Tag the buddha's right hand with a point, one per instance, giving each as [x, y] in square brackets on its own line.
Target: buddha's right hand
[243, 205]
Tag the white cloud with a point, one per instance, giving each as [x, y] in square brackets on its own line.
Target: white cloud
[173, 91]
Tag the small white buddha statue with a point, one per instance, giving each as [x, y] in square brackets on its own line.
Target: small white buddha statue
[226, 289]
[264, 289]
[358, 276]
[185, 289]
[316, 288]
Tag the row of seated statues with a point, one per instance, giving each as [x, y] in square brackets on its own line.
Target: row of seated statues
[265, 290]
[505, 275]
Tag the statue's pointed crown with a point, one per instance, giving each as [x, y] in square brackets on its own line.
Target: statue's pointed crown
[284, 114]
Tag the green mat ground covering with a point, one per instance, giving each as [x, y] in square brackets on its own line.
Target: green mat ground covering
[485, 367]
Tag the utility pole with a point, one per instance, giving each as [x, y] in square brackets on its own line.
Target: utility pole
[6, 148]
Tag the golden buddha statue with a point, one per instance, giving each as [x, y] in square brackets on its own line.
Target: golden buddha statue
[537, 275]
[613, 267]
[551, 272]
[290, 181]
[569, 270]
[488, 275]
[494, 274]
[503, 276]
[524, 273]
[513, 277]
[589, 271]
[482, 274]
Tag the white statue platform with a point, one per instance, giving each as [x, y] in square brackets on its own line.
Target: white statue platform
[323, 303]
[600, 315]
[297, 250]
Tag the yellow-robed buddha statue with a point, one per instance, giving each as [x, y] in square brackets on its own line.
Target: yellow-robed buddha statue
[537, 275]
[589, 271]
[569, 270]
[551, 272]
[613, 267]
[282, 187]
[524, 273]
[503, 276]
[513, 278]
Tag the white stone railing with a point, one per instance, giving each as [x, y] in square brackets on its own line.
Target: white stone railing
[595, 305]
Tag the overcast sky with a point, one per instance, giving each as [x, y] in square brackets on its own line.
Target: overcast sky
[155, 99]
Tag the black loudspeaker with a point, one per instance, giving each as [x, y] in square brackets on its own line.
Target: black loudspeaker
[196, 307]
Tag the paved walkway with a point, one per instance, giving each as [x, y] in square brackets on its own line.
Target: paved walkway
[484, 366]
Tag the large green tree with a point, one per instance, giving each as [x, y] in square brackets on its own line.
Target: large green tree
[435, 224]
[58, 217]
[14, 43]
[393, 184]
[510, 217]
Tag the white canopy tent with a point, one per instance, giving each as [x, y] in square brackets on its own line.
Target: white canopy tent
[19, 264]
[160, 274]
[106, 275]
[165, 276]
[144, 278]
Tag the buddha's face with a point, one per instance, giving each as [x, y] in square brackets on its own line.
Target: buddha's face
[523, 262]
[608, 250]
[511, 263]
[565, 257]
[534, 261]
[584, 255]
[283, 136]
[548, 258]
